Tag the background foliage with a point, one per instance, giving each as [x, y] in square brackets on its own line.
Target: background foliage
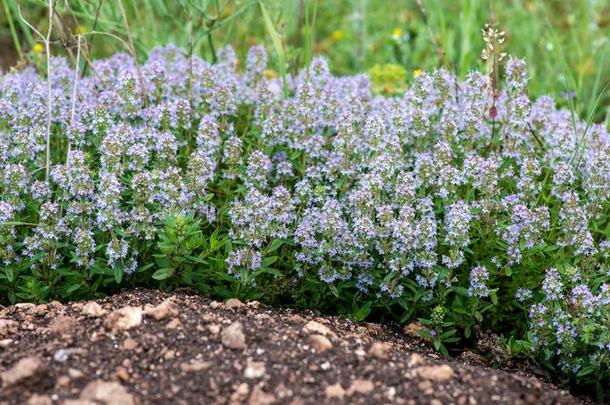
[566, 43]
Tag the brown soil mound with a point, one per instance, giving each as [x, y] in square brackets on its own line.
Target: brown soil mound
[145, 346]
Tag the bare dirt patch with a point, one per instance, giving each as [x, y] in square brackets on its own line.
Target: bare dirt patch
[144, 346]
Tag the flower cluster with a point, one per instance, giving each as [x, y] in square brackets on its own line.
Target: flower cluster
[450, 194]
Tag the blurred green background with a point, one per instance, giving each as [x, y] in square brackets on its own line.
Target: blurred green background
[566, 43]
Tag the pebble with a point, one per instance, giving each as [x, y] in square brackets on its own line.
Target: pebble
[415, 359]
[334, 391]
[93, 309]
[234, 303]
[260, 397]
[233, 336]
[107, 393]
[317, 327]
[435, 373]
[195, 366]
[122, 374]
[129, 344]
[254, 369]
[240, 394]
[29, 368]
[39, 400]
[380, 350]
[4, 343]
[165, 309]
[359, 386]
[124, 318]
[319, 343]
[174, 324]
[7, 327]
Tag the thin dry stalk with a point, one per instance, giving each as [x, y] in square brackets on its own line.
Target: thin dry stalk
[133, 51]
[76, 75]
[47, 43]
[439, 49]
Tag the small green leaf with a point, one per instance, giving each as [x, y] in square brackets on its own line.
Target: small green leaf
[10, 275]
[118, 274]
[163, 274]
[274, 245]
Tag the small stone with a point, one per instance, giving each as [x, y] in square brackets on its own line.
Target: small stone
[254, 369]
[317, 327]
[74, 373]
[214, 329]
[319, 343]
[28, 368]
[334, 391]
[233, 336]
[124, 318]
[380, 350]
[415, 359]
[61, 356]
[424, 386]
[38, 310]
[7, 327]
[24, 305]
[435, 401]
[260, 397]
[169, 355]
[55, 305]
[107, 393]
[234, 303]
[253, 304]
[241, 393]
[359, 386]
[174, 324]
[63, 325]
[163, 310]
[39, 400]
[195, 366]
[64, 380]
[412, 330]
[122, 374]
[93, 309]
[129, 344]
[4, 343]
[435, 373]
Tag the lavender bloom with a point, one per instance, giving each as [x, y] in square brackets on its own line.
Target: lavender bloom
[479, 277]
[552, 285]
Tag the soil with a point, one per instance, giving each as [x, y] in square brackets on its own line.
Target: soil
[143, 346]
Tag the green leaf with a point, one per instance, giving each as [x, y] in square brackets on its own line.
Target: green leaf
[118, 274]
[274, 245]
[163, 274]
[268, 261]
[73, 288]
[10, 275]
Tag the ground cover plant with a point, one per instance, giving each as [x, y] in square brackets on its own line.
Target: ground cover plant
[460, 203]
[462, 199]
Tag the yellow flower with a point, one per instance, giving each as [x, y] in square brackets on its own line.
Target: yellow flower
[397, 33]
[269, 74]
[37, 48]
[81, 29]
[417, 72]
[336, 35]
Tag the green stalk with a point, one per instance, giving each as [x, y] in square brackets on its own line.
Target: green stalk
[277, 45]
[9, 17]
